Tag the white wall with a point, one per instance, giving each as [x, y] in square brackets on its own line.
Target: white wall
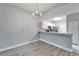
[61, 10]
[73, 18]
[45, 24]
[73, 26]
[62, 26]
[16, 26]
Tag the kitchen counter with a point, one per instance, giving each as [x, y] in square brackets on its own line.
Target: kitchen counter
[56, 33]
[61, 40]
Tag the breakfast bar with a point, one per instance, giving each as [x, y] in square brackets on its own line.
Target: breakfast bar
[61, 40]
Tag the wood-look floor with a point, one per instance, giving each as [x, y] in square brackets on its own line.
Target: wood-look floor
[38, 48]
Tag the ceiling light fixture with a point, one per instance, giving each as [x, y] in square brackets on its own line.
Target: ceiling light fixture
[57, 18]
[37, 13]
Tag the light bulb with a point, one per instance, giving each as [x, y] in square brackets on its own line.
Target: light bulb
[36, 12]
[40, 14]
[33, 14]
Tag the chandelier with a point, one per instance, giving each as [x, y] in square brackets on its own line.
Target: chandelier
[37, 13]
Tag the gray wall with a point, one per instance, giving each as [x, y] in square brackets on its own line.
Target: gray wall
[63, 40]
[16, 26]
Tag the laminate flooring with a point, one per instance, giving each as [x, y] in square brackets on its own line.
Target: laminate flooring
[38, 48]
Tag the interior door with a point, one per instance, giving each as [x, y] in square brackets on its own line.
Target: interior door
[73, 28]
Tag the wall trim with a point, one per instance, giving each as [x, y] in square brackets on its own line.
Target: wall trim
[18, 45]
[70, 50]
[76, 47]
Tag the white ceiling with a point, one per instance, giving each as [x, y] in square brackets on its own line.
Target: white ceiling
[42, 7]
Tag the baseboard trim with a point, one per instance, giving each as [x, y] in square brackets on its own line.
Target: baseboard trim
[70, 50]
[18, 45]
[75, 48]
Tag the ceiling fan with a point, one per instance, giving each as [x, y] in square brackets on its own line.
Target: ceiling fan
[37, 13]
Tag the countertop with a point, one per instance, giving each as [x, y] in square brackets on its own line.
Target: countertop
[56, 33]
